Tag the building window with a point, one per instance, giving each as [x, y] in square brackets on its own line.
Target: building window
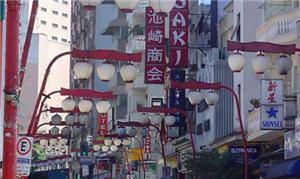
[65, 2]
[54, 38]
[54, 12]
[64, 27]
[64, 40]
[54, 25]
[43, 9]
[55, 0]
[206, 125]
[199, 129]
[64, 15]
[43, 22]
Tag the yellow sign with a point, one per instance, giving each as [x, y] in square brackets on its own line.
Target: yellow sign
[135, 154]
[223, 149]
[172, 161]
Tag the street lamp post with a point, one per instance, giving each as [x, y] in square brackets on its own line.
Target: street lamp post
[171, 111]
[217, 86]
[76, 53]
[147, 125]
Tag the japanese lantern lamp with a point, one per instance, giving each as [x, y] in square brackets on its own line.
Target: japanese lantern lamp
[283, 64]
[126, 5]
[56, 119]
[54, 131]
[260, 63]
[162, 6]
[155, 119]
[102, 107]
[128, 73]
[236, 61]
[170, 120]
[195, 97]
[68, 104]
[106, 71]
[82, 70]
[85, 105]
[212, 98]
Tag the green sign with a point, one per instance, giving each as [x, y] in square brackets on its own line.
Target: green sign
[1, 10]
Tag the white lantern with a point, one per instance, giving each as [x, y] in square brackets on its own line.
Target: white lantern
[54, 131]
[68, 104]
[126, 142]
[83, 118]
[283, 64]
[117, 142]
[144, 132]
[66, 131]
[132, 132]
[70, 119]
[128, 73]
[76, 131]
[170, 120]
[85, 105]
[236, 61]
[106, 71]
[144, 118]
[113, 148]
[96, 147]
[155, 119]
[88, 3]
[164, 6]
[107, 142]
[104, 148]
[56, 119]
[82, 70]
[53, 141]
[127, 5]
[43, 142]
[102, 106]
[195, 97]
[260, 63]
[63, 141]
[121, 131]
[212, 98]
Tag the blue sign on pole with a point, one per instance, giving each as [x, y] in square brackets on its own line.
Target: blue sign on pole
[177, 96]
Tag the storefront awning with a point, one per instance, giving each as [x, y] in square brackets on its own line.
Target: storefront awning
[284, 169]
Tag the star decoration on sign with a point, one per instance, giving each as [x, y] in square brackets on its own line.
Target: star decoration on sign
[272, 112]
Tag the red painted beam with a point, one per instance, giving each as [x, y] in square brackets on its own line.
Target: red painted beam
[60, 110]
[195, 85]
[261, 46]
[107, 54]
[86, 93]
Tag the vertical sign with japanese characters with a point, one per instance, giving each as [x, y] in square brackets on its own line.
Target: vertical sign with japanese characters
[147, 144]
[271, 104]
[102, 124]
[177, 99]
[155, 52]
[179, 35]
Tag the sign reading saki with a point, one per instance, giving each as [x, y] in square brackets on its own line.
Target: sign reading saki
[179, 35]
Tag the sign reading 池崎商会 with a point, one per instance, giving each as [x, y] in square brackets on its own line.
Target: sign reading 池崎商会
[24, 150]
[271, 104]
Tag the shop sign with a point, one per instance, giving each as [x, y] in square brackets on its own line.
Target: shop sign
[179, 35]
[271, 104]
[155, 61]
[147, 144]
[237, 153]
[102, 124]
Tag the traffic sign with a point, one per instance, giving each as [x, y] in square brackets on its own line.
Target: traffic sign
[24, 151]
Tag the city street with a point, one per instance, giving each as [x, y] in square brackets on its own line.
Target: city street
[149, 89]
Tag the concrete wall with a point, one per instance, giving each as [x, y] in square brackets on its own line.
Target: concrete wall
[249, 12]
[298, 69]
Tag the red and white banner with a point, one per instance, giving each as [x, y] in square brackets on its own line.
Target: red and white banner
[102, 124]
[155, 60]
[147, 144]
[179, 35]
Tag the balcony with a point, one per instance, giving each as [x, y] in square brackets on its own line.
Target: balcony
[280, 28]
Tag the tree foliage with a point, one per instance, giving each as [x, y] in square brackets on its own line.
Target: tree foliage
[38, 153]
[212, 165]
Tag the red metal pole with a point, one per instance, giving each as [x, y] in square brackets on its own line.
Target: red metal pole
[33, 122]
[241, 128]
[11, 89]
[26, 47]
